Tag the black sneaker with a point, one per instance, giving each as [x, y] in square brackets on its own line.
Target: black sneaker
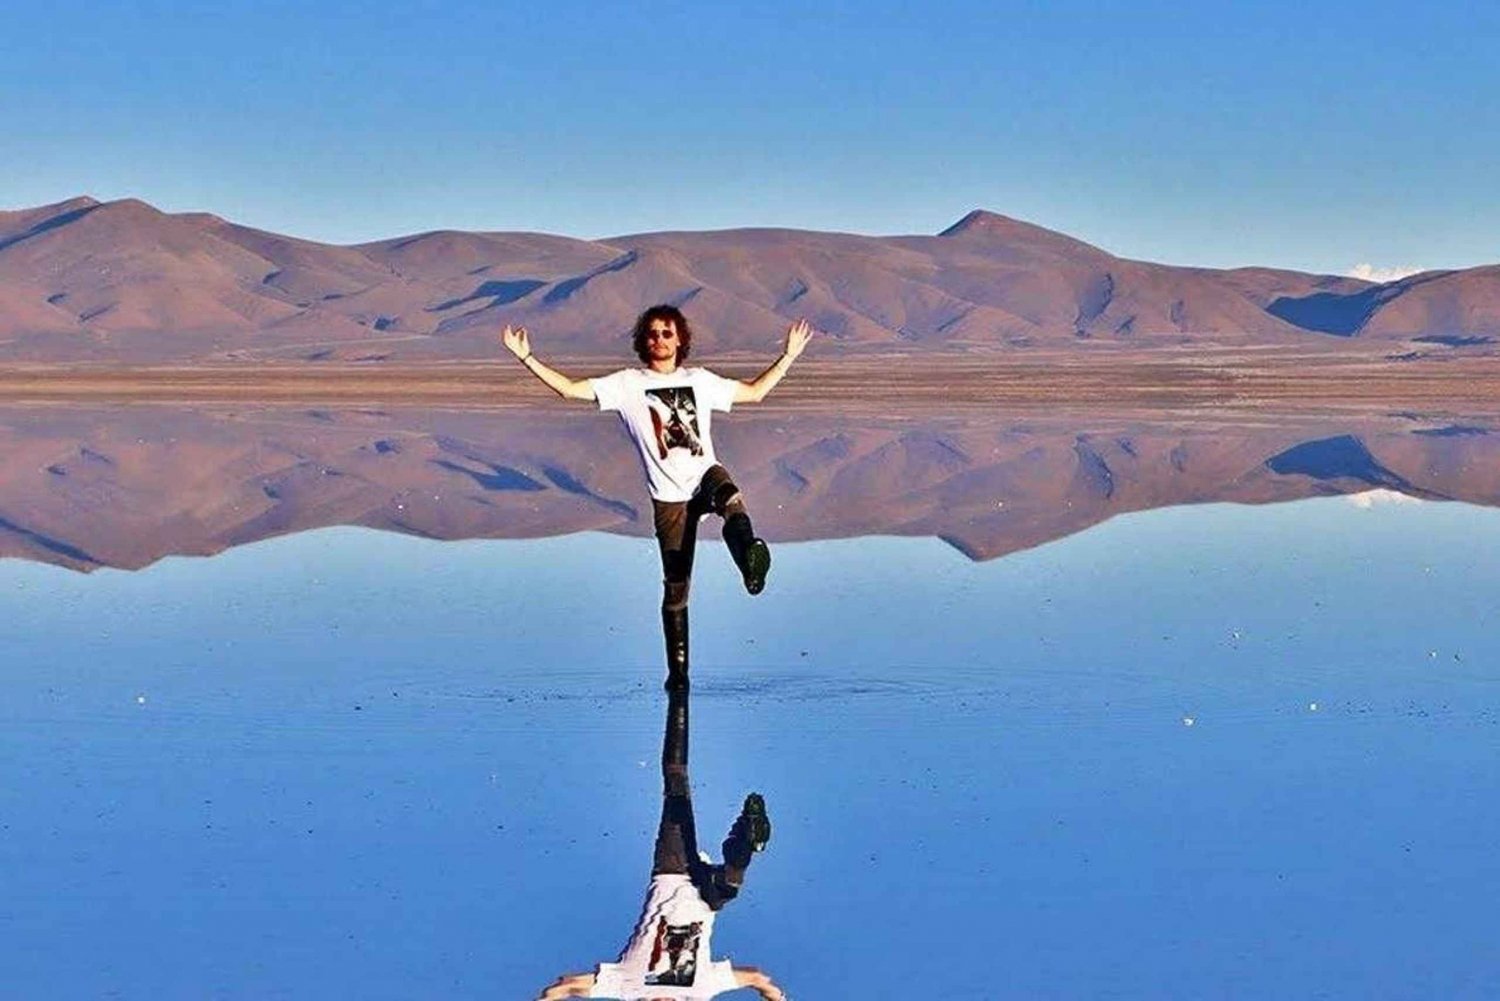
[757, 565]
[757, 824]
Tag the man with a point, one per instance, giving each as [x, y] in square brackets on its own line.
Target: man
[667, 409]
[668, 955]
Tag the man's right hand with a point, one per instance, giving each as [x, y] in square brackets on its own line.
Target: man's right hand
[516, 341]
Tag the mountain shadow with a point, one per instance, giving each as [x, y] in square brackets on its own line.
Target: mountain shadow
[1343, 457]
[47, 225]
[1343, 315]
[499, 293]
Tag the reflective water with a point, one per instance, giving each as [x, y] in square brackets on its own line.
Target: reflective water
[1198, 750]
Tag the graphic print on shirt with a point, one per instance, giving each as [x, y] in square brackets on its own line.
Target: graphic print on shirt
[674, 418]
[674, 955]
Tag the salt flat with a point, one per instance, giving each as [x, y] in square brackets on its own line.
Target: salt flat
[892, 384]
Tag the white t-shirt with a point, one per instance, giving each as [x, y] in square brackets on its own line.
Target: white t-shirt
[668, 417]
[668, 954]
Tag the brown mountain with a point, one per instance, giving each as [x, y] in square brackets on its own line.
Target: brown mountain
[126, 487]
[122, 281]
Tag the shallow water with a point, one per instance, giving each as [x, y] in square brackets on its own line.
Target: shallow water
[1199, 750]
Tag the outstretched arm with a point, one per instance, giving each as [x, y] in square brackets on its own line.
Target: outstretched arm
[518, 342]
[749, 976]
[796, 341]
[569, 985]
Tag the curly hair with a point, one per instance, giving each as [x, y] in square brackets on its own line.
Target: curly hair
[662, 312]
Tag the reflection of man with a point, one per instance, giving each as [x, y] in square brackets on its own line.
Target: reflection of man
[668, 955]
[667, 410]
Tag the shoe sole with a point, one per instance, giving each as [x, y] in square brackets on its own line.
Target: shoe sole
[757, 565]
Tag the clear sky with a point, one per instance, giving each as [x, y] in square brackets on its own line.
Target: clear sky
[1308, 135]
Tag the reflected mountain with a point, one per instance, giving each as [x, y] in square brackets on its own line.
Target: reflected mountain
[125, 487]
[670, 952]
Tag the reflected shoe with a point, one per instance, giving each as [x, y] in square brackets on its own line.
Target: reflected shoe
[757, 826]
[749, 834]
[757, 565]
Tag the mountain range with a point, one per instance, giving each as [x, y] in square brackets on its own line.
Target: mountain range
[123, 282]
[125, 487]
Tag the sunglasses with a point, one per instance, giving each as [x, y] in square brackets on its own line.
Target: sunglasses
[661, 335]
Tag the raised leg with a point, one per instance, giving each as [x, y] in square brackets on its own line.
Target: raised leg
[749, 834]
[750, 554]
[677, 836]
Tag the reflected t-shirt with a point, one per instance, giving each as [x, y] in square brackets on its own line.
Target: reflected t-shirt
[668, 417]
[668, 954]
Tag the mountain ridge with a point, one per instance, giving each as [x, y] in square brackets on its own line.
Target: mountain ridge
[93, 487]
[123, 281]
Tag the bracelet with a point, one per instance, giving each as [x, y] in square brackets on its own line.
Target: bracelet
[528, 357]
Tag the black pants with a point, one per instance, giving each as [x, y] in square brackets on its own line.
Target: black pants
[677, 836]
[677, 531]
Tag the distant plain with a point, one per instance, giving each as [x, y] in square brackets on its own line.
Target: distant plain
[1111, 379]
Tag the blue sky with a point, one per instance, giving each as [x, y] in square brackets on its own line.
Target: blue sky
[1315, 136]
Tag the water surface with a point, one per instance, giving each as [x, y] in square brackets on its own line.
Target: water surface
[1189, 751]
